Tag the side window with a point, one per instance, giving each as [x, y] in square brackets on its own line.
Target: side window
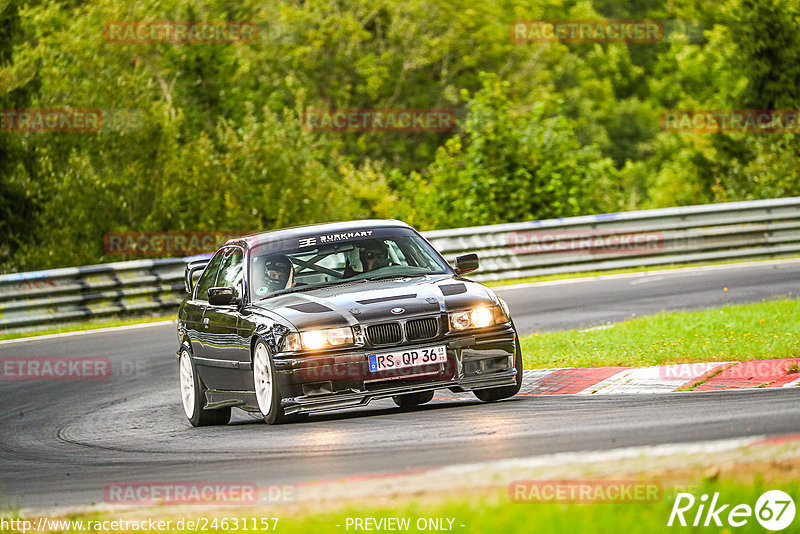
[232, 271]
[209, 275]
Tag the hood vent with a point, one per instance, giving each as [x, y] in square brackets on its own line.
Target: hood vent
[310, 307]
[387, 299]
[452, 289]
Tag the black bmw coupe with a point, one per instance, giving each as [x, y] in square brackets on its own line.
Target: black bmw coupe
[330, 316]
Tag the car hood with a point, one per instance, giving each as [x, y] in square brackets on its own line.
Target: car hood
[374, 301]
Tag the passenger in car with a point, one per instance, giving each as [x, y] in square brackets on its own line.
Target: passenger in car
[371, 255]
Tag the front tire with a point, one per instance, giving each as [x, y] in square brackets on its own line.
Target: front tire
[193, 394]
[266, 385]
[496, 394]
[412, 400]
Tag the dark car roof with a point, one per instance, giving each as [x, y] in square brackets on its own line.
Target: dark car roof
[313, 229]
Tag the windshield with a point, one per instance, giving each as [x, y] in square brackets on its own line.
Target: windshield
[323, 260]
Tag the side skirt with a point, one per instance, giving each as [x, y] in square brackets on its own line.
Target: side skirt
[245, 400]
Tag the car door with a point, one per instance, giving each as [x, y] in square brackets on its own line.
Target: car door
[196, 306]
[226, 348]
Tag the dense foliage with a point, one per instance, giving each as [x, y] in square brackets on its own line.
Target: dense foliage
[211, 135]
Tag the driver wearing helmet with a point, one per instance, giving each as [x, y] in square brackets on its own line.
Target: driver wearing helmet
[278, 273]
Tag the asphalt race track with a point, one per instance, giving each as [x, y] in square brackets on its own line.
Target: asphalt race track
[61, 442]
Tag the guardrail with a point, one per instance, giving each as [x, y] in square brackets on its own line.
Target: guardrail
[44, 299]
[713, 232]
[730, 231]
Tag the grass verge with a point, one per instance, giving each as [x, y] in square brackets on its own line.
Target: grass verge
[498, 514]
[734, 333]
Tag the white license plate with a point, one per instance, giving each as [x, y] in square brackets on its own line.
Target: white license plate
[403, 359]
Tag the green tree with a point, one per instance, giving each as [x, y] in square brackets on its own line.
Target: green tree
[17, 87]
[513, 165]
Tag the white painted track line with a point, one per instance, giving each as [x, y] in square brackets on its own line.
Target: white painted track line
[85, 332]
[644, 274]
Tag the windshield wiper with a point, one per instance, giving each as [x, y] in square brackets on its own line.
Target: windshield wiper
[310, 287]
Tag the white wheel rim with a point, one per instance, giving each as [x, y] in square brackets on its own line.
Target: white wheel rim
[262, 376]
[187, 384]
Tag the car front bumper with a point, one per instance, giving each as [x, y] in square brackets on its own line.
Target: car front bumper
[323, 382]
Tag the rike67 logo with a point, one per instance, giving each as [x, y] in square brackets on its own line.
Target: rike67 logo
[774, 510]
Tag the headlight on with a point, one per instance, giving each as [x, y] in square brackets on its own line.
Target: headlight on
[480, 317]
[313, 339]
[331, 337]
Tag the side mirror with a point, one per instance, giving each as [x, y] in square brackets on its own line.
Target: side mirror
[221, 296]
[466, 263]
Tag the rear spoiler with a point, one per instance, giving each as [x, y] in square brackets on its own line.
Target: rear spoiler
[191, 268]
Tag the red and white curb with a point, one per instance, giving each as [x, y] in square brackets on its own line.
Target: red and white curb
[711, 376]
[663, 378]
